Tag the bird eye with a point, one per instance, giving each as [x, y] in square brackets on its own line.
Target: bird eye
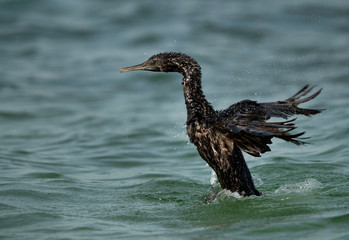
[153, 62]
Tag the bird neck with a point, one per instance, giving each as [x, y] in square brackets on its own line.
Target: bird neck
[197, 106]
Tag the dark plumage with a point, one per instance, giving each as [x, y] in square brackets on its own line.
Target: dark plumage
[221, 136]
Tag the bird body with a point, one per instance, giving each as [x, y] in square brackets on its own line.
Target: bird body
[221, 136]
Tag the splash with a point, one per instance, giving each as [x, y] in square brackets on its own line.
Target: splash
[224, 194]
[227, 194]
[221, 194]
[214, 180]
[301, 187]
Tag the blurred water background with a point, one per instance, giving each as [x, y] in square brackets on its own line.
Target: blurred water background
[89, 153]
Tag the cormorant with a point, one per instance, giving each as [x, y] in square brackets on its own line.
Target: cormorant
[221, 136]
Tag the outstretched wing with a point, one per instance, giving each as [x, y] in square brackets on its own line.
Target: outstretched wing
[245, 122]
[252, 110]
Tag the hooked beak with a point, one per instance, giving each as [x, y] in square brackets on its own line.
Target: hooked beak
[143, 66]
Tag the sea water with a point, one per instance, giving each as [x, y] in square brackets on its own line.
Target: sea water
[89, 153]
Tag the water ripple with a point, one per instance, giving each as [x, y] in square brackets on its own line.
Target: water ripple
[87, 152]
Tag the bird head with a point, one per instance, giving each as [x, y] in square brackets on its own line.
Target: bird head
[162, 62]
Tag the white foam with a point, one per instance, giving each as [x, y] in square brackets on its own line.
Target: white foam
[224, 194]
[301, 187]
[214, 179]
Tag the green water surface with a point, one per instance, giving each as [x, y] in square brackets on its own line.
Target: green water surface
[89, 153]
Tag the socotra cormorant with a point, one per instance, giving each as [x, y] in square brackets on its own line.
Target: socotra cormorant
[221, 136]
